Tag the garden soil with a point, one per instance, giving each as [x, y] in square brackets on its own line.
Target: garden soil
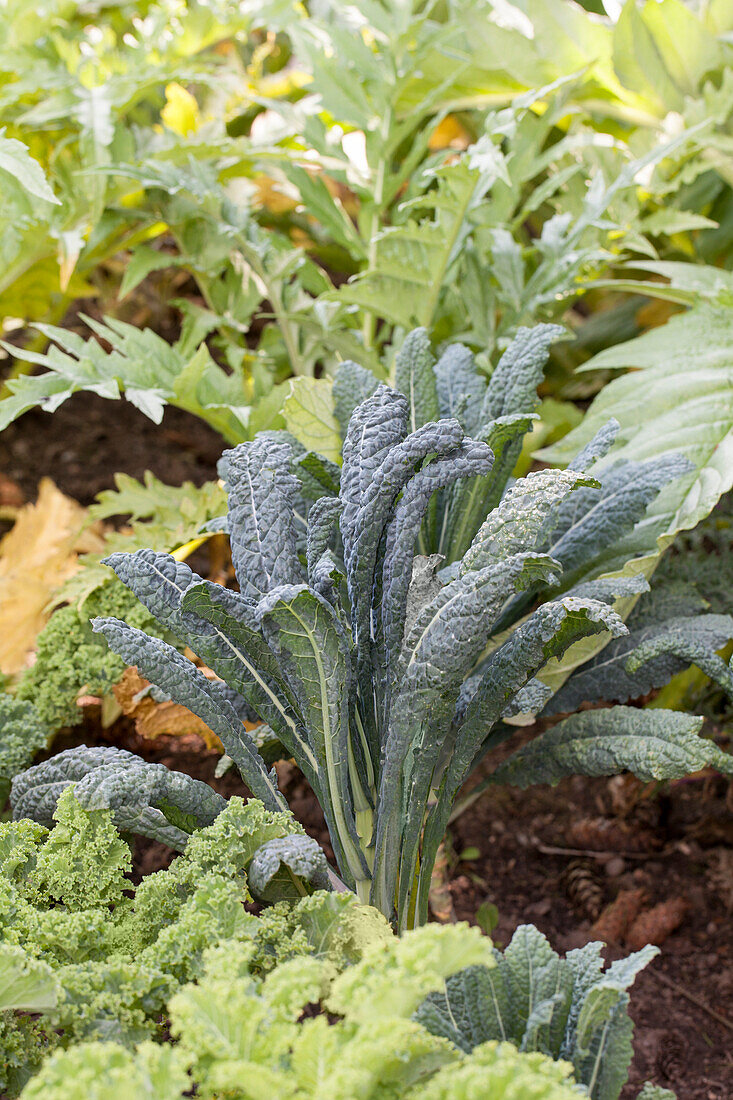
[554, 857]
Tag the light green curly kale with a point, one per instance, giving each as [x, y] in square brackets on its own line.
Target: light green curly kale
[655, 1092]
[103, 1070]
[181, 951]
[247, 1037]
[100, 959]
[71, 661]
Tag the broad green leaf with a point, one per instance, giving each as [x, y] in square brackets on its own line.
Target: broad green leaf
[26, 984]
[678, 397]
[18, 163]
[309, 415]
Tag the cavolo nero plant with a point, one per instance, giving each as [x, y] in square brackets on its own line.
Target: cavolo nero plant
[92, 969]
[395, 614]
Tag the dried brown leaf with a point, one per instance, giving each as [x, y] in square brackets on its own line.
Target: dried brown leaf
[155, 719]
[617, 917]
[11, 494]
[441, 899]
[655, 925]
[36, 557]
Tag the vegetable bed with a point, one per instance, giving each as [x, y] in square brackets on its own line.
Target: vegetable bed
[513, 853]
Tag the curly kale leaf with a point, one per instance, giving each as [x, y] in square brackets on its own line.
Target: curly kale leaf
[152, 1070]
[71, 661]
[108, 957]
[25, 983]
[22, 735]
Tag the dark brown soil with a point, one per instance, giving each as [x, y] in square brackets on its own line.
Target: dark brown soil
[515, 835]
[88, 439]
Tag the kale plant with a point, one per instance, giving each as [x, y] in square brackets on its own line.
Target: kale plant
[22, 734]
[394, 615]
[71, 662]
[105, 967]
[98, 959]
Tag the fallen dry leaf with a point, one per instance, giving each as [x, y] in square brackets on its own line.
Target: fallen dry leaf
[155, 719]
[441, 900]
[11, 494]
[617, 917]
[36, 557]
[655, 925]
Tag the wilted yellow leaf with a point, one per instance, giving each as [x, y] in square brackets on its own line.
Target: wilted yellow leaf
[36, 557]
[449, 134]
[181, 111]
[269, 194]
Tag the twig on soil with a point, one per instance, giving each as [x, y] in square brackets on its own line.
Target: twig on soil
[692, 998]
[550, 850]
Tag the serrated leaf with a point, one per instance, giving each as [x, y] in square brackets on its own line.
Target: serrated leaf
[678, 398]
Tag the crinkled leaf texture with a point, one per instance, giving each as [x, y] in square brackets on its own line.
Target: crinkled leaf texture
[235, 1026]
[653, 744]
[148, 799]
[669, 629]
[281, 868]
[385, 677]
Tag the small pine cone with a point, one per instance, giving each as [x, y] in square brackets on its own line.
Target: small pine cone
[672, 1057]
[583, 888]
[599, 834]
[617, 917]
[655, 925]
